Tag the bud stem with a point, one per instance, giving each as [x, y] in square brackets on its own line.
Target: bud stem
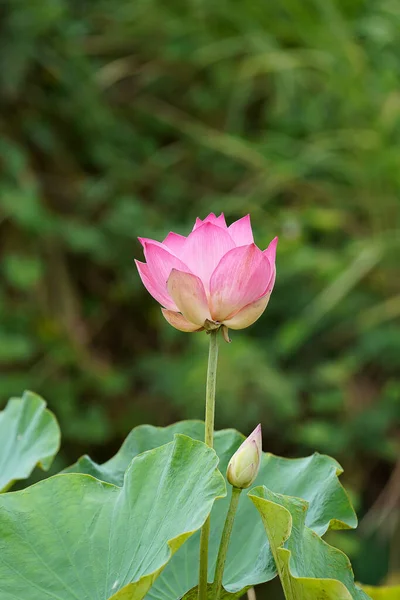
[209, 440]
[223, 547]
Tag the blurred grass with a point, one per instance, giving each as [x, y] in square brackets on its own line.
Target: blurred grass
[132, 118]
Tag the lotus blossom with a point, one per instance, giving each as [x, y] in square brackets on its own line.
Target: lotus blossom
[215, 276]
[245, 463]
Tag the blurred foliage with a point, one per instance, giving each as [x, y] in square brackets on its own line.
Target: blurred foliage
[126, 118]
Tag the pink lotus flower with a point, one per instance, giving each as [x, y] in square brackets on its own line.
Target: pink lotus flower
[215, 276]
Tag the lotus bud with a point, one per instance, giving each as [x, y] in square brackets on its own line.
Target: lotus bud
[245, 463]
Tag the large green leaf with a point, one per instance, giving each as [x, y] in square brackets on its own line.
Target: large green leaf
[385, 592]
[72, 537]
[140, 439]
[249, 559]
[193, 594]
[308, 567]
[29, 437]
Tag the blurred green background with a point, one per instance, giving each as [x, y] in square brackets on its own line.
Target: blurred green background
[130, 118]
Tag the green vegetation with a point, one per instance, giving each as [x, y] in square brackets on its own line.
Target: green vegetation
[79, 526]
[127, 118]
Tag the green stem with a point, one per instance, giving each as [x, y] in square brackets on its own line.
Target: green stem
[223, 547]
[210, 388]
[208, 438]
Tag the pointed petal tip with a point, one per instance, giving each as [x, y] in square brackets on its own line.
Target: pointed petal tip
[209, 224]
[274, 242]
[270, 251]
[174, 241]
[241, 231]
[148, 242]
[218, 221]
[213, 217]
[140, 265]
[256, 437]
[256, 433]
[171, 277]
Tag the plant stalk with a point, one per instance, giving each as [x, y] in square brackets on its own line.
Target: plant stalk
[209, 440]
[210, 388]
[223, 547]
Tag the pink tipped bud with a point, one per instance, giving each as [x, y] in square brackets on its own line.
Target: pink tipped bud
[245, 463]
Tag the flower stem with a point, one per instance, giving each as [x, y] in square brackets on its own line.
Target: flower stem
[223, 547]
[209, 439]
[210, 388]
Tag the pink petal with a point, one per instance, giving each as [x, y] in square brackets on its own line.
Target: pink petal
[188, 293]
[219, 221]
[271, 250]
[203, 250]
[178, 321]
[241, 232]
[174, 242]
[145, 241]
[271, 282]
[256, 437]
[160, 263]
[249, 314]
[240, 278]
[270, 253]
[197, 223]
[158, 292]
